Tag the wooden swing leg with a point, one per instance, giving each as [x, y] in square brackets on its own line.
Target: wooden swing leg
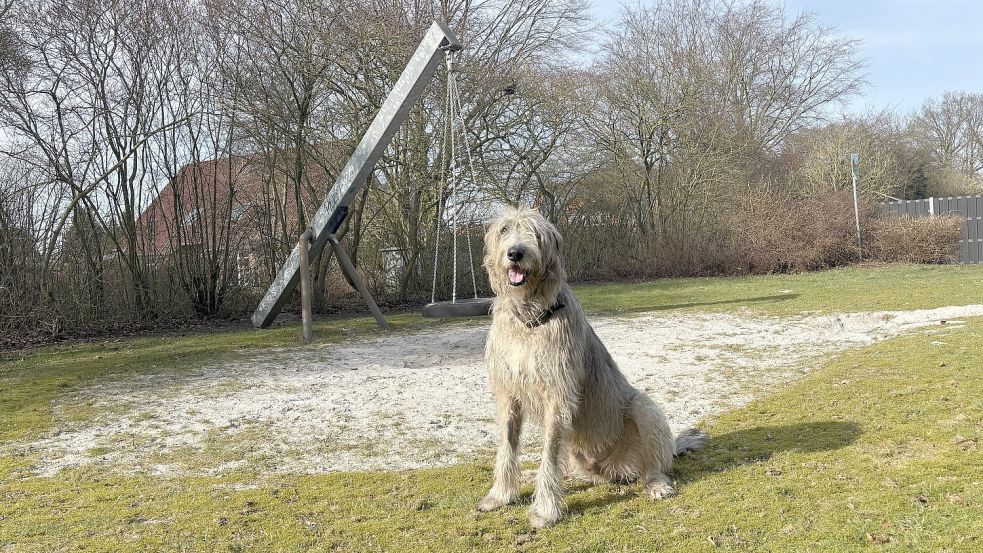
[306, 291]
[346, 265]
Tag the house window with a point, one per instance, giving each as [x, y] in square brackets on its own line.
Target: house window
[238, 211]
[191, 217]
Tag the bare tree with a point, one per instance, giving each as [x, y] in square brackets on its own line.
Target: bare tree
[952, 129]
[281, 56]
[200, 211]
[780, 74]
[693, 94]
[9, 50]
[819, 157]
[83, 111]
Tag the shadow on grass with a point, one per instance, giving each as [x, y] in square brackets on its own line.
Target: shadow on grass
[758, 444]
[739, 448]
[669, 307]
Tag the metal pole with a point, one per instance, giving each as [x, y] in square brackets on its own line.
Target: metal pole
[349, 268]
[306, 290]
[855, 170]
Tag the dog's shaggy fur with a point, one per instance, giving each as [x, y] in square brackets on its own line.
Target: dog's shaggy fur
[547, 365]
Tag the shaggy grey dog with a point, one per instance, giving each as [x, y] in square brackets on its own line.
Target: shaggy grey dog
[547, 365]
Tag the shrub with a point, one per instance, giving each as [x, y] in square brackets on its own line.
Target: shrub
[916, 240]
[797, 234]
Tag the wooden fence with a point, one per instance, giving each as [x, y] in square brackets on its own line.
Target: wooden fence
[970, 208]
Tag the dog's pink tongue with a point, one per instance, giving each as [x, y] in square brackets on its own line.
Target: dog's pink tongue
[516, 275]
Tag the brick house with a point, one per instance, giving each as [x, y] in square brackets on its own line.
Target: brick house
[235, 206]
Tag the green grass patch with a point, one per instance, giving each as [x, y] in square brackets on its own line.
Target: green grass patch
[875, 288]
[879, 449]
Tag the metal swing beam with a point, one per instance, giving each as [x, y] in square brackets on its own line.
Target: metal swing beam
[405, 93]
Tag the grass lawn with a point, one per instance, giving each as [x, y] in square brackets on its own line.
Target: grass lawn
[882, 288]
[881, 449]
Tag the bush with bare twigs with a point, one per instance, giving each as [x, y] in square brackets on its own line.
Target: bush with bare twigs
[797, 234]
[916, 239]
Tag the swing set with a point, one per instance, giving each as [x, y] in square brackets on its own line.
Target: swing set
[439, 43]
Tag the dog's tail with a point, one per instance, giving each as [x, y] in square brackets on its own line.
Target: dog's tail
[690, 440]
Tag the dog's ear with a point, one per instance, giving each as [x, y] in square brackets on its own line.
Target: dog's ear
[551, 245]
[556, 242]
[489, 260]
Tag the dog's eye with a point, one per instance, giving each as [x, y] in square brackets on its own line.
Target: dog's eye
[503, 230]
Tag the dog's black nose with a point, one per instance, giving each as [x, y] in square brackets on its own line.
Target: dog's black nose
[515, 254]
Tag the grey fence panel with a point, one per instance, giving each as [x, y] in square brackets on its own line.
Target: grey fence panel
[967, 247]
[969, 208]
[970, 212]
[969, 233]
[975, 221]
[974, 218]
[959, 207]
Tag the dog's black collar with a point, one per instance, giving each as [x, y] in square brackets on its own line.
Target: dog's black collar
[545, 316]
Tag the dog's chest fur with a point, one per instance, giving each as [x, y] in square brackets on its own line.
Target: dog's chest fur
[530, 366]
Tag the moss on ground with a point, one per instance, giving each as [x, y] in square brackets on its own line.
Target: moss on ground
[879, 449]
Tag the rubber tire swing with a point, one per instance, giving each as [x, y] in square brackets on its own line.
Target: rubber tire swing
[470, 307]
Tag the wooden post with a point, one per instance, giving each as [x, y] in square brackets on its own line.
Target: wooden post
[306, 290]
[349, 268]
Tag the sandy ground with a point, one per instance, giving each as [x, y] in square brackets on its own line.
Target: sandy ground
[421, 400]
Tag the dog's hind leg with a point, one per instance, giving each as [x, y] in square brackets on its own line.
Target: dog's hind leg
[584, 469]
[655, 446]
[505, 490]
[658, 486]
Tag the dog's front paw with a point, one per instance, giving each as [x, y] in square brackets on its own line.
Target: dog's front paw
[544, 516]
[537, 520]
[490, 503]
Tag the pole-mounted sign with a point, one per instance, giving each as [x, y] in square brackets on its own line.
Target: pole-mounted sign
[855, 170]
